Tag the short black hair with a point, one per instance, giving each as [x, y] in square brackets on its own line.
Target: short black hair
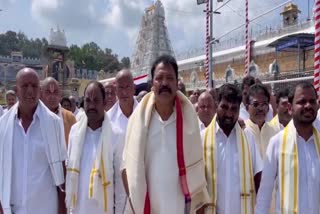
[282, 93]
[230, 93]
[303, 85]
[165, 59]
[258, 89]
[65, 99]
[248, 80]
[99, 85]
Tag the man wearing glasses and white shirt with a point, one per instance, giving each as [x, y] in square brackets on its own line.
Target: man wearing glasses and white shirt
[119, 116]
[258, 106]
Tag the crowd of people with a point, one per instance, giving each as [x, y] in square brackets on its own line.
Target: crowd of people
[230, 150]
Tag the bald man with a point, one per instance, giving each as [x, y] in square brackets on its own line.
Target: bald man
[119, 115]
[32, 153]
[51, 97]
[111, 97]
[206, 109]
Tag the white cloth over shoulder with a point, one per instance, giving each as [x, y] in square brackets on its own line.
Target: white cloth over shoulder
[309, 177]
[55, 150]
[100, 185]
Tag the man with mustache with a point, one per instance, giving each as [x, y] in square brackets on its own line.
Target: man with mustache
[90, 168]
[293, 159]
[163, 168]
[258, 99]
[283, 116]
[233, 164]
[32, 153]
[119, 115]
[111, 97]
[51, 96]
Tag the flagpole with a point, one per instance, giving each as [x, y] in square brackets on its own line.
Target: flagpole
[317, 46]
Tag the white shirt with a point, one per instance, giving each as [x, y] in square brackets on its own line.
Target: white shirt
[228, 178]
[119, 122]
[309, 177]
[76, 111]
[161, 166]
[84, 204]
[117, 118]
[201, 125]
[32, 189]
[244, 114]
[1, 111]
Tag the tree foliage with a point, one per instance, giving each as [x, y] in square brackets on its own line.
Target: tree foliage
[12, 41]
[89, 55]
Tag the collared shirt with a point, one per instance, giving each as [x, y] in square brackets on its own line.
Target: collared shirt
[32, 189]
[162, 167]
[261, 136]
[117, 118]
[309, 177]
[244, 114]
[119, 122]
[88, 156]
[228, 176]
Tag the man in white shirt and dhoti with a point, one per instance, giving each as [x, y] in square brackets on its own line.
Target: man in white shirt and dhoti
[163, 163]
[32, 152]
[206, 109]
[90, 166]
[258, 99]
[293, 159]
[119, 115]
[283, 116]
[233, 163]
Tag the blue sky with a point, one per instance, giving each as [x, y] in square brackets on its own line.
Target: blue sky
[115, 23]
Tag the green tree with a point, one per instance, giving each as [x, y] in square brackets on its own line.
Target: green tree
[125, 62]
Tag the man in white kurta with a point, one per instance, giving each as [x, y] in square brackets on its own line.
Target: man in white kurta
[301, 130]
[154, 153]
[258, 104]
[119, 116]
[96, 136]
[228, 200]
[32, 152]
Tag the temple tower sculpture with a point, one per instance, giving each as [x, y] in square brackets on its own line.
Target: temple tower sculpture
[153, 40]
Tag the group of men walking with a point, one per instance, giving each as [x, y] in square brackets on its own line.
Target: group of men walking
[162, 155]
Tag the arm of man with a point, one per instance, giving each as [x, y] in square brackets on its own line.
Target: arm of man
[269, 175]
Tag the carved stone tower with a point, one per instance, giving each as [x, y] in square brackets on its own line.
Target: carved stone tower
[153, 40]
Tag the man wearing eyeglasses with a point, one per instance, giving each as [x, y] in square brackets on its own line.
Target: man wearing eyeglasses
[258, 106]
